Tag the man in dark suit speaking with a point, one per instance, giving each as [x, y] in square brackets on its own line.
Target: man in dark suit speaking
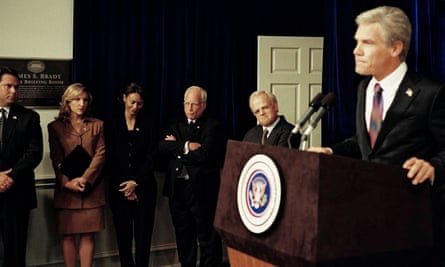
[400, 116]
[21, 151]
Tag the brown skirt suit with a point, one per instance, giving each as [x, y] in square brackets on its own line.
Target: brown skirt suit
[77, 213]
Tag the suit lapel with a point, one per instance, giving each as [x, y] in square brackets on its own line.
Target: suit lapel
[273, 136]
[405, 94]
[362, 130]
[10, 125]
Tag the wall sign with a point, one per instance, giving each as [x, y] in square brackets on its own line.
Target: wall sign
[42, 81]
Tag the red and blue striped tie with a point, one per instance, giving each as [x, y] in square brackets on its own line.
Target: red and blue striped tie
[376, 114]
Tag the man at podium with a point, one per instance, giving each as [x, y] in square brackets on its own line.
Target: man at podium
[399, 116]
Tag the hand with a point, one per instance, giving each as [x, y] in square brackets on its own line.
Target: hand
[170, 137]
[322, 150]
[419, 170]
[133, 197]
[6, 182]
[194, 146]
[128, 188]
[76, 184]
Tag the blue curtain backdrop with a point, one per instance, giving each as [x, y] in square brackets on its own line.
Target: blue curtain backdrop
[168, 45]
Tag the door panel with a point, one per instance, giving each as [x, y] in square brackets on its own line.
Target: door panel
[291, 68]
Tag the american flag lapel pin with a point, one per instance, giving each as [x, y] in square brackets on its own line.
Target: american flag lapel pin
[409, 92]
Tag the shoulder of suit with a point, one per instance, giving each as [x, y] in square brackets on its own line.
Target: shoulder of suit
[284, 123]
[420, 81]
[20, 109]
[208, 120]
[56, 124]
[23, 111]
[93, 120]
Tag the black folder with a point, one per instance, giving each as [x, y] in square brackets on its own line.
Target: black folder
[75, 164]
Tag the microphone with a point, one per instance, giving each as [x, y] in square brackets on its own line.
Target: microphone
[314, 105]
[326, 103]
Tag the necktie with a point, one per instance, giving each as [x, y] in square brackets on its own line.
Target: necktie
[2, 120]
[191, 124]
[376, 114]
[264, 136]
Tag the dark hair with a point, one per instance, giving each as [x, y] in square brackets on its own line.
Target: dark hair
[134, 88]
[8, 70]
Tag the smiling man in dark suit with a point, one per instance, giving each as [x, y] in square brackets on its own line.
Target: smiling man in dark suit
[411, 129]
[21, 152]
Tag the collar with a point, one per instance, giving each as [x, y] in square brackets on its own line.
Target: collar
[391, 83]
[8, 109]
[270, 127]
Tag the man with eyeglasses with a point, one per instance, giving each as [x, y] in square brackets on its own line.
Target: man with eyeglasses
[271, 128]
[194, 146]
[20, 152]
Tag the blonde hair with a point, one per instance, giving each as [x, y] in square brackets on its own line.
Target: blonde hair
[72, 92]
[395, 24]
[270, 96]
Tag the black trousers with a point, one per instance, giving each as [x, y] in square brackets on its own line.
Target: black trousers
[14, 230]
[134, 220]
[193, 217]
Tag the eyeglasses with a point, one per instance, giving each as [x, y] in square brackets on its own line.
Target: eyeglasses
[191, 104]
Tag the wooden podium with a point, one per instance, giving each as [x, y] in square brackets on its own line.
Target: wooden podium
[331, 208]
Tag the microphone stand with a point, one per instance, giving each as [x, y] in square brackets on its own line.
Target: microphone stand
[304, 140]
[289, 139]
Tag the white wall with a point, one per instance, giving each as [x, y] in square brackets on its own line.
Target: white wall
[37, 29]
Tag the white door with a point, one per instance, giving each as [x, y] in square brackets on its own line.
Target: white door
[291, 68]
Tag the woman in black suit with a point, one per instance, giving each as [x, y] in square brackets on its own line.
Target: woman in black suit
[130, 157]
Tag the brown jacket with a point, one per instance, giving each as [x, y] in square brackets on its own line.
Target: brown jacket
[62, 140]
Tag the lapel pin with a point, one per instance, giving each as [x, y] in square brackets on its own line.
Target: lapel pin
[14, 117]
[409, 92]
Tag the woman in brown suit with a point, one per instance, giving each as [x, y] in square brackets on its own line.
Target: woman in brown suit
[78, 212]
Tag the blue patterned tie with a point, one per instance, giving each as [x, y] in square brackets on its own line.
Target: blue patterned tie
[376, 114]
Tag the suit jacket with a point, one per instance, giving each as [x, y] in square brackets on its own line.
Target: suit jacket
[278, 137]
[22, 151]
[62, 140]
[203, 165]
[125, 161]
[414, 125]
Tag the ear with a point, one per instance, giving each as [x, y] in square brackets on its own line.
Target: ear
[397, 48]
